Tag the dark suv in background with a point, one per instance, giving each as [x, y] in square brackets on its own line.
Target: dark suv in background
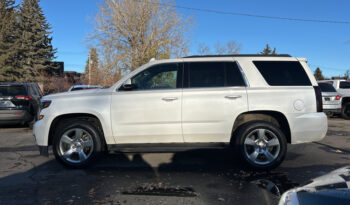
[19, 103]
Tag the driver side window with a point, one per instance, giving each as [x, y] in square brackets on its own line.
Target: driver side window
[162, 76]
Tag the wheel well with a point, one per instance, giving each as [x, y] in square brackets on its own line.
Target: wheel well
[64, 118]
[273, 117]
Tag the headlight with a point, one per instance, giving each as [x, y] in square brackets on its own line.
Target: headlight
[45, 103]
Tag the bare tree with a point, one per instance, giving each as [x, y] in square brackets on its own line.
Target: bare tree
[203, 49]
[131, 32]
[231, 47]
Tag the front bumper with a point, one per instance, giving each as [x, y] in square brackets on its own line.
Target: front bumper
[41, 132]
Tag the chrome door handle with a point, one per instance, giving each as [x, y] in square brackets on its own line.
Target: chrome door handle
[233, 96]
[169, 98]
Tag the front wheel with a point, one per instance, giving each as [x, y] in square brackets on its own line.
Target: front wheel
[77, 143]
[345, 111]
[261, 145]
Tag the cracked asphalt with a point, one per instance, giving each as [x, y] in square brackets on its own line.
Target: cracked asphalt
[192, 177]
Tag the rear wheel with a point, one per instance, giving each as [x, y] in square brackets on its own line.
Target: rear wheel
[261, 145]
[77, 143]
[345, 111]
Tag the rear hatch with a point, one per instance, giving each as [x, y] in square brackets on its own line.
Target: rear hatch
[13, 97]
[329, 94]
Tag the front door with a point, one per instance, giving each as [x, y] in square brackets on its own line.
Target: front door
[150, 112]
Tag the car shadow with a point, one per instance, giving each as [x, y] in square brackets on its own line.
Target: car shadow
[205, 176]
[198, 176]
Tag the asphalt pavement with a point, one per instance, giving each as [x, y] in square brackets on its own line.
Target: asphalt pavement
[191, 177]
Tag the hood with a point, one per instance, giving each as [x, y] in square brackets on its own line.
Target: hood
[335, 185]
[89, 92]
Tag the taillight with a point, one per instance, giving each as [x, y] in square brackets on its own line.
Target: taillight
[318, 94]
[22, 97]
[337, 97]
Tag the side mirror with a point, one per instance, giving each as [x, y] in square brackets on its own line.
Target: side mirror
[127, 86]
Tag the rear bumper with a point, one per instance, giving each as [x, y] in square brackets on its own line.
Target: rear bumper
[15, 116]
[308, 127]
[328, 107]
[332, 108]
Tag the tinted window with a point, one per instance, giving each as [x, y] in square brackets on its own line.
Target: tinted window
[344, 84]
[163, 76]
[283, 73]
[325, 87]
[30, 90]
[213, 74]
[12, 90]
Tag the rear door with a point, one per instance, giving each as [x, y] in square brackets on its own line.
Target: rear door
[214, 94]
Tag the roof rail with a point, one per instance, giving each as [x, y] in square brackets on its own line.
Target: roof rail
[239, 55]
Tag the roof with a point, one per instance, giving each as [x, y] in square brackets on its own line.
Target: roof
[238, 55]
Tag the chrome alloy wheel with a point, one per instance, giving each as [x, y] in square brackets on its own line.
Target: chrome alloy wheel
[76, 145]
[261, 146]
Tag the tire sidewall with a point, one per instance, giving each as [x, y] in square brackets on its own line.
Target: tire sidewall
[248, 128]
[344, 107]
[86, 126]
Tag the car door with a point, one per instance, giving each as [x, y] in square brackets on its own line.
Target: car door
[150, 112]
[214, 94]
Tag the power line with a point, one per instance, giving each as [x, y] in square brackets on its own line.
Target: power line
[253, 15]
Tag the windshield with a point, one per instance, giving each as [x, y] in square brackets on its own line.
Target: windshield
[325, 87]
[12, 90]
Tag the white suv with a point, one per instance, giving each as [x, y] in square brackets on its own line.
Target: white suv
[256, 104]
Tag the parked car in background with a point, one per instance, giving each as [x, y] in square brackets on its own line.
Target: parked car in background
[331, 99]
[255, 104]
[19, 102]
[84, 87]
[343, 87]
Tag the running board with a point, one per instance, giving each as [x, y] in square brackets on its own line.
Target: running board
[164, 147]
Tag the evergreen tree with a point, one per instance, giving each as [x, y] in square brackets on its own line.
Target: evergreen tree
[318, 74]
[36, 47]
[347, 74]
[267, 51]
[9, 42]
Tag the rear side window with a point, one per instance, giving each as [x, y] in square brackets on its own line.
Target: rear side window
[12, 90]
[213, 74]
[283, 73]
[344, 85]
[326, 87]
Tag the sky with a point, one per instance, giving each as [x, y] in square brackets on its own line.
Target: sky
[325, 45]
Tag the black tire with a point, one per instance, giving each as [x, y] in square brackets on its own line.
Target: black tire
[89, 128]
[345, 111]
[271, 131]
